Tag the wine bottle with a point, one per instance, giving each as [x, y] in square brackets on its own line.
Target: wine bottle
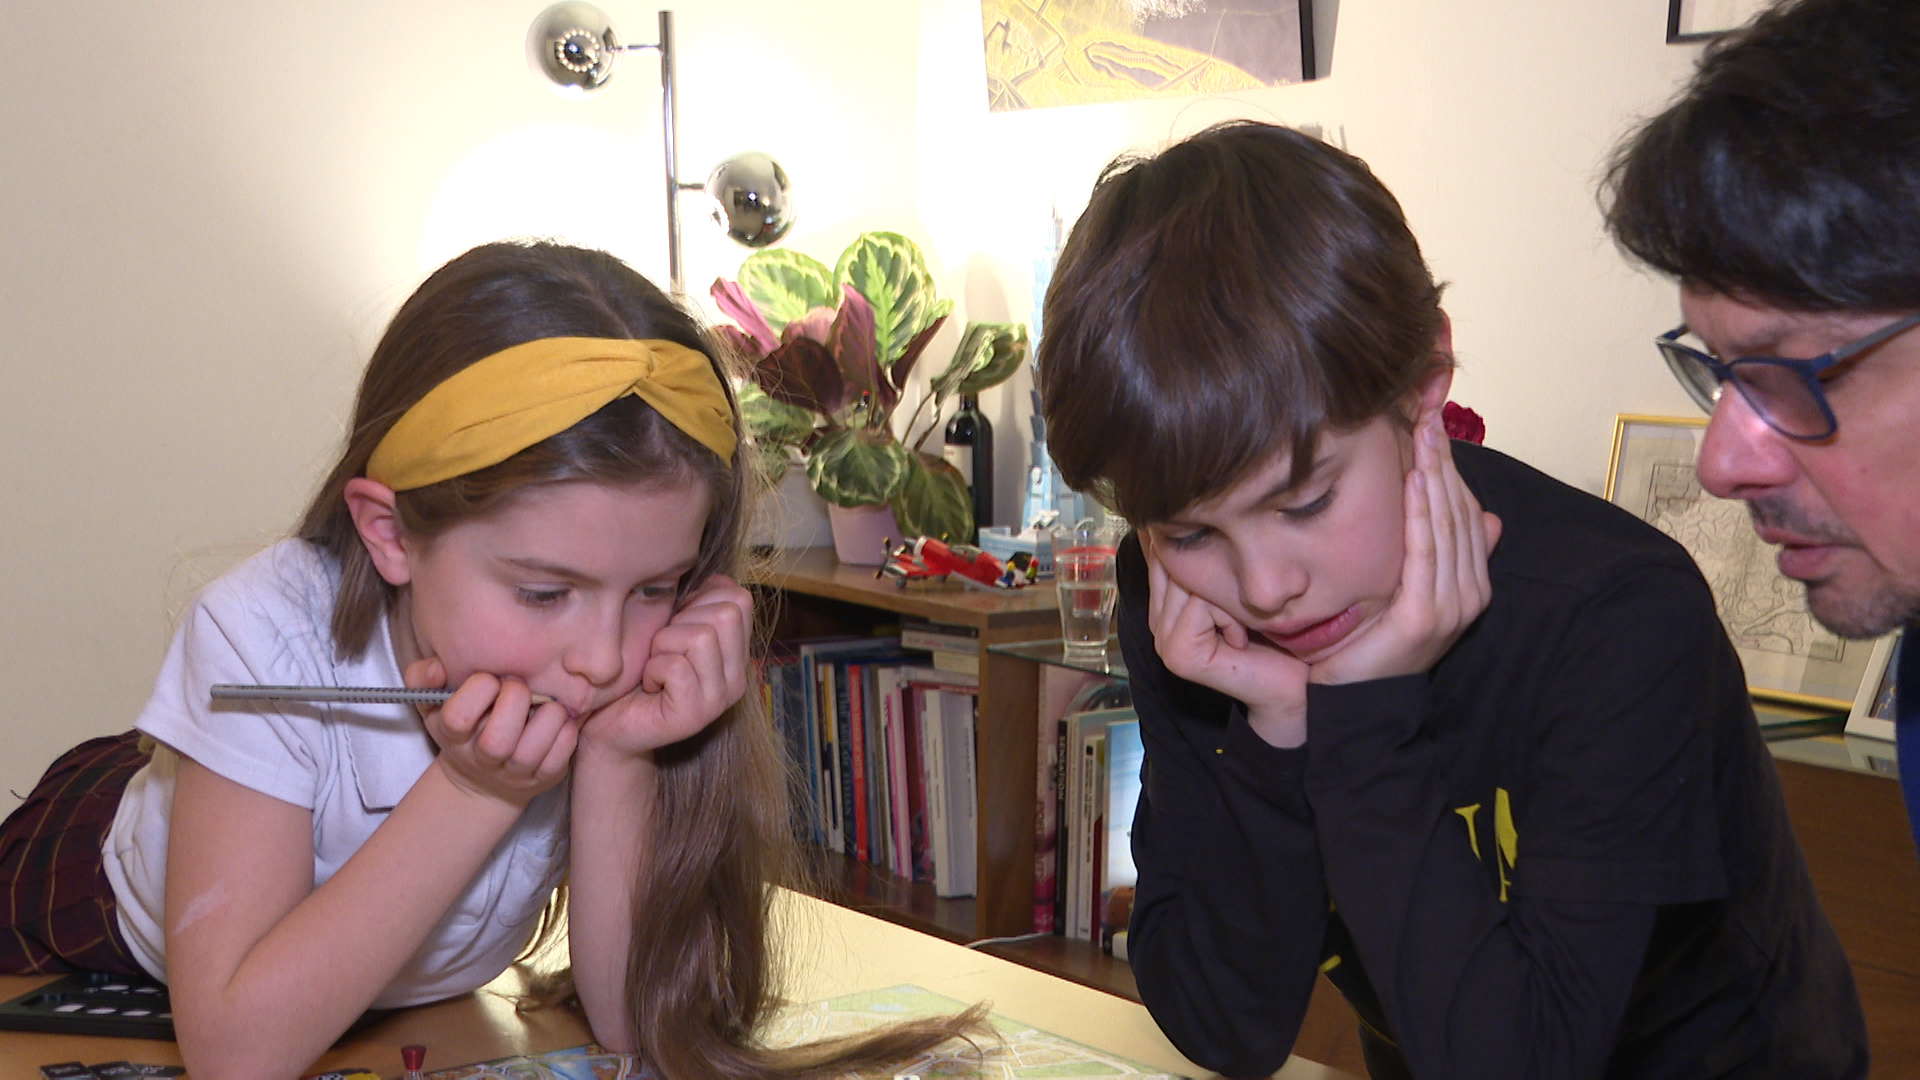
[969, 448]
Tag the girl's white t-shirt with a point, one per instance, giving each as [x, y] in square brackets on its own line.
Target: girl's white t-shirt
[267, 622]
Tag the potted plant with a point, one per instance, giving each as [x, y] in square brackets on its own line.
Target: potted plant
[831, 352]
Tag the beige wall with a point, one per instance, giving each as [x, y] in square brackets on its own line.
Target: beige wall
[210, 209]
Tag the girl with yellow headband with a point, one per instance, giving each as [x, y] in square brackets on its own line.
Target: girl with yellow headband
[539, 508]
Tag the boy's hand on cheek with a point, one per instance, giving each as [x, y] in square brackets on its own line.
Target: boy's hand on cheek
[493, 741]
[696, 670]
[1444, 584]
[1203, 644]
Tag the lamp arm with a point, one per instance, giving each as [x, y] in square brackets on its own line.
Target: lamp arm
[670, 147]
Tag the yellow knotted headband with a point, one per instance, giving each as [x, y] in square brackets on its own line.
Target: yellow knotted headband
[499, 406]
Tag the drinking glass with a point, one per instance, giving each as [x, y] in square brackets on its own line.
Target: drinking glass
[1084, 582]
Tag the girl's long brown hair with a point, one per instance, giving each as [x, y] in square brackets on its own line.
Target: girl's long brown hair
[699, 977]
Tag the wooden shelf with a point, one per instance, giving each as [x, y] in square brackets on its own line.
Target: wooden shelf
[1000, 614]
[818, 594]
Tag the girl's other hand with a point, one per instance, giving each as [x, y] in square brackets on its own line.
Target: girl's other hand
[1203, 644]
[696, 670]
[493, 741]
[1444, 585]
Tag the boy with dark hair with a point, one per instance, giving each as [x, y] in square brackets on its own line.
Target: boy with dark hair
[1470, 741]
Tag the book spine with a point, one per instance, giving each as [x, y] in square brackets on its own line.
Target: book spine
[1097, 833]
[893, 718]
[939, 638]
[933, 733]
[1062, 815]
[960, 663]
[873, 805]
[830, 773]
[796, 694]
[850, 838]
[919, 843]
[1046, 830]
[809, 717]
[962, 787]
[1083, 845]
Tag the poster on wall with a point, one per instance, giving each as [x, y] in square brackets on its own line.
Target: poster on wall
[1042, 53]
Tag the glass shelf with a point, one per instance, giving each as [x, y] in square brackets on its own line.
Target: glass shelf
[1850, 753]
[1054, 651]
[1792, 733]
[1813, 737]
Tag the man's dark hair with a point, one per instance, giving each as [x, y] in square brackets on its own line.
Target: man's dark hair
[1788, 171]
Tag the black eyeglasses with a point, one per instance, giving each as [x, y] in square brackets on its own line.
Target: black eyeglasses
[1788, 394]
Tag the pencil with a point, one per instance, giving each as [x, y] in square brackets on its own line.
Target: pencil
[352, 695]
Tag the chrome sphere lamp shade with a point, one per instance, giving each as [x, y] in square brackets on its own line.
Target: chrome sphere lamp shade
[575, 47]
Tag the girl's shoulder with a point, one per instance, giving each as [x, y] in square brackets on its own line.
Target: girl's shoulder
[290, 583]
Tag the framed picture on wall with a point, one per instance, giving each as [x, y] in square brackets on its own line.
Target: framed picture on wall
[1045, 53]
[1787, 655]
[1698, 20]
[1872, 713]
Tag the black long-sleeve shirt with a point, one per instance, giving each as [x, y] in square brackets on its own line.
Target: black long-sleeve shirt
[1560, 853]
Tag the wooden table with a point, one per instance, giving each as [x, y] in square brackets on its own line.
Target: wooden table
[831, 951]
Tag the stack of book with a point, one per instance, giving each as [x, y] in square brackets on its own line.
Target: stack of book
[884, 741]
[1088, 783]
[949, 648]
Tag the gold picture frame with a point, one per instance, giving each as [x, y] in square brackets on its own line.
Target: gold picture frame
[1872, 714]
[1788, 656]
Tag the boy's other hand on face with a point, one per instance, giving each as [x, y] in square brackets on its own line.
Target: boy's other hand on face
[696, 670]
[1444, 584]
[493, 740]
[1203, 644]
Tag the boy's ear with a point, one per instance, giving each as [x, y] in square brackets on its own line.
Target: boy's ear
[371, 504]
[1439, 380]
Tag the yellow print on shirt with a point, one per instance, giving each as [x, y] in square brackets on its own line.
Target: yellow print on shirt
[1505, 837]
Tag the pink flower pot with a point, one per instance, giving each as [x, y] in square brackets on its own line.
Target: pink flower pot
[861, 534]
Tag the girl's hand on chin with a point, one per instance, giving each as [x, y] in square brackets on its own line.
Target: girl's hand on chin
[1444, 584]
[492, 740]
[696, 670]
[1203, 644]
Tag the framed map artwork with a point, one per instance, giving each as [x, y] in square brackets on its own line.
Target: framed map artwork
[1787, 655]
[1041, 53]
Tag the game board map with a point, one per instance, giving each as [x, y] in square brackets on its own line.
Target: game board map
[1024, 1051]
[108, 1070]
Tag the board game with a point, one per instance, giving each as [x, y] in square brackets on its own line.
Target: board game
[1023, 1050]
[91, 1003]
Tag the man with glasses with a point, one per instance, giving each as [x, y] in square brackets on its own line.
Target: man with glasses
[1782, 190]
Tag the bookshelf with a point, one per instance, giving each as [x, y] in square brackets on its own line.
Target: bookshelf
[812, 593]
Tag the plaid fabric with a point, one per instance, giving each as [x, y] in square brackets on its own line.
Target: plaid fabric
[57, 911]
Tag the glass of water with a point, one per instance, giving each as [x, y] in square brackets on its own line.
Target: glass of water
[1084, 582]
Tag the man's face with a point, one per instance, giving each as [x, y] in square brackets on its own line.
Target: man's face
[1845, 511]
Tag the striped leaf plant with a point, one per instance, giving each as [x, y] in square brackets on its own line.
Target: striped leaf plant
[831, 350]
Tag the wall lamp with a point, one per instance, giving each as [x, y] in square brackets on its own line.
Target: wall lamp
[574, 46]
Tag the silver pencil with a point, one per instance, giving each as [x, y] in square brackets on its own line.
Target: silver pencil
[352, 695]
